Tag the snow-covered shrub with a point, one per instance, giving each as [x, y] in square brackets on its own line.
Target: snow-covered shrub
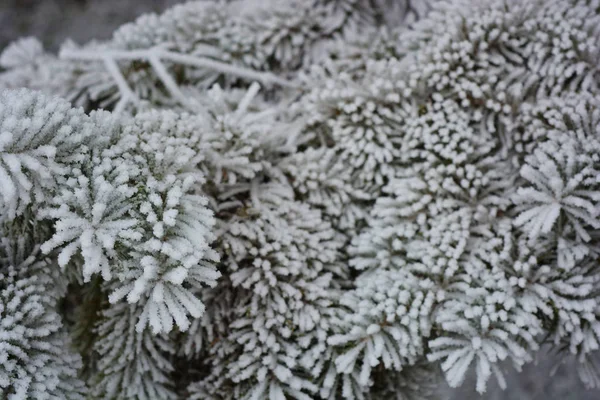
[301, 199]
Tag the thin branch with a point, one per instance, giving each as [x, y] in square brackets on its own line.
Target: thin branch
[225, 68]
[127, 94]
[254, 193]
[169, 82]
[185, 59]
[247, 99]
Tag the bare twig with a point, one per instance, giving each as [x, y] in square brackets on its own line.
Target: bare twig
[127, 94]
[155, 56]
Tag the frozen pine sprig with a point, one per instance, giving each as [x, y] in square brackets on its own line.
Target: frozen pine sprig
[184, 26]
[131, 210]
[352, 130]
[492, 57]
[91, 214]
[516, 293]
[386, 321]
[446, 179]
[560, 294]
[288, 36]
[483, 327]
[174, 143]
[307, 240]
[25, 64]
[174, 249]
[563, 178]
[21, 53]
[567, 300]
[245, 137]
[130, 364]
[360, 120]
[206, 331]
[326, 183]
[38, 136]
[450, 181]
[281, 269]
[35, 358]
[558, 198]
[575, 115]
[277, 35]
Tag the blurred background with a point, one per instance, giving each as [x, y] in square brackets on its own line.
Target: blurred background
[53, 21]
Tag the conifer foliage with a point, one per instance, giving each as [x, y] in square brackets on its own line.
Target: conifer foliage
[334, 199]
